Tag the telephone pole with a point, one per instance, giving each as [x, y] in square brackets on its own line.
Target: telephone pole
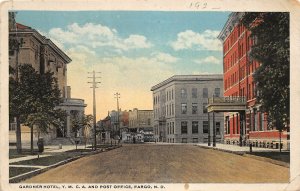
[117, 95]
[94, 86]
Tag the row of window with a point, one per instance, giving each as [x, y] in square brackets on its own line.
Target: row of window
[234, 78]
[195, 92]
[170, 128]
[166, 97]
[168, 110]
[183, 92]
[256, 121]
[234, 36]
[195, 127]
[194, 108]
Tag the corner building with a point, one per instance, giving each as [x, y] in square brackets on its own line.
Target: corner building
[179, 106]
[43, 55]
[238, 71]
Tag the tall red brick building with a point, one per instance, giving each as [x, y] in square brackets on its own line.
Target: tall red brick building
[251, 124]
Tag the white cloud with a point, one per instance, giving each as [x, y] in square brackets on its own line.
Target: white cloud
[208, 60]
[164, 57]
[96, 35]
[137, 41]
[199, 41]
[132, 77]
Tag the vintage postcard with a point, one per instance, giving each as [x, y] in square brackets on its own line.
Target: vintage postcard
[150, 95]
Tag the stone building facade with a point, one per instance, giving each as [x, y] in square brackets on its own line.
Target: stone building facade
[179, 105]
[43, 55]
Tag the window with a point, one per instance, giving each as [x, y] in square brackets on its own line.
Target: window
[205, 93]
[183, 108]
[217, 92]
[13, 126]
[194, 108]
[227, 125]
[11, 52]
[184, 127]
[184, 140]
[262, 121]
[195, 140]
[167, 96]
[195, 127]
[173, 128]
[194, 93]
[149, 121]
[172, 108]
[172, 94]
[183, 93]
[217, 128]
[205, 126]
[204, 108]
[167, 108]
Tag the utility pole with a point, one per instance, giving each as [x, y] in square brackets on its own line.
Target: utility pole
[117, 95]
[94, 86]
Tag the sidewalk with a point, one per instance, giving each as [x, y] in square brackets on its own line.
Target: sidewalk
[27, 166]
[237, 149]
[263, 154]
[49, 150]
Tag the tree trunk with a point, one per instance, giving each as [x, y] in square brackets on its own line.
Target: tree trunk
[280, 140]
[18, 136]
[31, 139]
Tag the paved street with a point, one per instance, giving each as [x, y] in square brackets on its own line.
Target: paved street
[150, 163]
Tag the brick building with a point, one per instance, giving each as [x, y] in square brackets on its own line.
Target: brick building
[247, 123]
[179, 105]
[43, 55]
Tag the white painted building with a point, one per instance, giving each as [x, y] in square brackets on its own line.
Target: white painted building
[179, 106]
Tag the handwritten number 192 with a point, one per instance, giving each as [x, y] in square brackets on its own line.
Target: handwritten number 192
[198, 5]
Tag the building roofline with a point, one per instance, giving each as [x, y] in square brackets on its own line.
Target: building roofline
[202, 77]
[233, 18]
[44, 40]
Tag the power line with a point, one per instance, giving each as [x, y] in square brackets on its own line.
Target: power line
[94, 86]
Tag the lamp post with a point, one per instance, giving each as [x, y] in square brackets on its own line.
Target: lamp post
[214, 130]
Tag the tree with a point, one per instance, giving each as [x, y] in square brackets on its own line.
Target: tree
[271, 49]
[34, 99]
[85, 122]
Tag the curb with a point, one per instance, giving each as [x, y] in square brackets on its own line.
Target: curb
[247, 154]
[30, 174]
[280, 163]
[241, 153]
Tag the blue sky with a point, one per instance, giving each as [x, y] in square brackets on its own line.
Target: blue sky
[134, 50]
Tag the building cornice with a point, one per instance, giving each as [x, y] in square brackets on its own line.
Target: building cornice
[176, 78]
[233, 19]
[43, 40]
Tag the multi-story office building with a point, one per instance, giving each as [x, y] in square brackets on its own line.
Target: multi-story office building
[179, 105]
[249, 124]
